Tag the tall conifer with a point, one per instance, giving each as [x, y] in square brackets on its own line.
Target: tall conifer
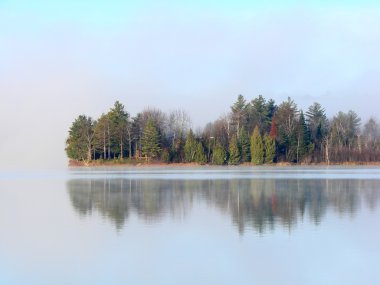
[257, 148]
[234, 151]
[270, 148]
[150, 140]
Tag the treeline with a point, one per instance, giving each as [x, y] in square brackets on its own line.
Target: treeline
[258, 132]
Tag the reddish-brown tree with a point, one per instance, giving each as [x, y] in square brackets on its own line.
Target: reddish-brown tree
[273, 129]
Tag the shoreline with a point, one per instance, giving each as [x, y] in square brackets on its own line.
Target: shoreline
[136, 163]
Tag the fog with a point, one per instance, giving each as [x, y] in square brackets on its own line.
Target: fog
[59, 61]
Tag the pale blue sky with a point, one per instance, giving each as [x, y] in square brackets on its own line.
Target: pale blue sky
[61, 59]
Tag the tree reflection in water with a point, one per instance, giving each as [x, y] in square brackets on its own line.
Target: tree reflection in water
[260, 204]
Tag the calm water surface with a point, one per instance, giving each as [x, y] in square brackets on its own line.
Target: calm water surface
[191, 226]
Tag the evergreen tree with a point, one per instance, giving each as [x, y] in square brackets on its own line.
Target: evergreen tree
[245, 146]
[257, 148]
[200, 156]
[289, 135]
[318, 125]
[102, 135]
[353, 127]
[258, 115]
[219, 155]
[190, 147]
[118, 119]
[234, 158]
[80, 141]
[150, 140]
[165, 155]
[271, 109]
[303, 138]
[286, 123]
[239, 113]
[270, 148]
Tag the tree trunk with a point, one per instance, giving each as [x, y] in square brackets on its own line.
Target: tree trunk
[89, 153]
[109, 142]
[298, 147]
[130, 144]
[327, 151]
[121, 148]
[104, 145]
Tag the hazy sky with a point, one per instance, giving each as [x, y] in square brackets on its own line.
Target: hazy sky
[59, 59]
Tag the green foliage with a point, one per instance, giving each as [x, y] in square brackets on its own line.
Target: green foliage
[150, 141]
[289, 135]
[219, 155]
[165, 155]
[270, 111]
[317, 123]
[287, 122]
[344, 128]
[270, 148]
[303, 138]
[118, 119]
[260, 113]
[239, 113]
[177, 150]
[190, 147]
[200, 156]
[257, 148]
[245, 146]
[234, 158]
[80, 141]
[101, 135]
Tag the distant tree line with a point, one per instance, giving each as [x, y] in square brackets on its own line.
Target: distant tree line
[258, 132]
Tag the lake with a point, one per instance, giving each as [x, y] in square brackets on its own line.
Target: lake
[208, 225]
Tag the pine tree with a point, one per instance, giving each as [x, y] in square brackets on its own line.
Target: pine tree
[258, 113]
[271, 109]
[118, 119]
[270, 148]
[190, 147]
[200, 156]
[245, 146]
[239, 113]
[165, 155]
[317, 122]
[219, 154]
[79, 144]
[257, 148]
[150, 140]
[286, 124]
[303, 138]
[102, 135]
[234, 158]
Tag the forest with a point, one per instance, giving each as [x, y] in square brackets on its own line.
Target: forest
[252, 132]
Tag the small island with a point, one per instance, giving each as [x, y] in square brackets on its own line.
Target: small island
[255, 133]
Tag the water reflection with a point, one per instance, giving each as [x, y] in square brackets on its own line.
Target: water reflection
[259, 204]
